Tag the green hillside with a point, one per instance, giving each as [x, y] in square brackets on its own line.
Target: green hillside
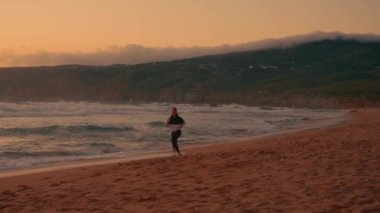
[328, 71]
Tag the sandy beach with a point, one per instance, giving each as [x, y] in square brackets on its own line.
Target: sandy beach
[332, 169]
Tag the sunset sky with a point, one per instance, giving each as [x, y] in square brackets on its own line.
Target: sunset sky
[32, 27]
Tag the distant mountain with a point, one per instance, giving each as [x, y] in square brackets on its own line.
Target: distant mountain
[327, 73]
[132, 54]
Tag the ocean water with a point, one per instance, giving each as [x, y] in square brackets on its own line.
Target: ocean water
[35, 133]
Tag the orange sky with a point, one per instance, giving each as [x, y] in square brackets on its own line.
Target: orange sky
[86, 25]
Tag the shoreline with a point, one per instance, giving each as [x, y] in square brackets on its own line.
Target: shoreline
[49, 167]
[331, 169]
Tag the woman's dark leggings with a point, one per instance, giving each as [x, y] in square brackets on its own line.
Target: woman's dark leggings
[175, 136]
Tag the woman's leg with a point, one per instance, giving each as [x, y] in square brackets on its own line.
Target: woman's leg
[174, 141]
[175, 136]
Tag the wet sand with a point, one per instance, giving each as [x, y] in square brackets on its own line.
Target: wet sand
[324, 170]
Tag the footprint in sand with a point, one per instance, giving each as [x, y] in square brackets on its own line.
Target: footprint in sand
[119, 179]
[95, 175]
[24, 187]
[8, 193]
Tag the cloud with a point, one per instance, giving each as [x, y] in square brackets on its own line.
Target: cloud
[135, 54]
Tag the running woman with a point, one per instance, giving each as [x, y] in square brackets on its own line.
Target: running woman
[175, 123]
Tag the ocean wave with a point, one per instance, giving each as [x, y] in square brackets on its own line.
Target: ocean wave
[237, 131]
[101, 145]
[28, 131]
[16, 154]
[281, 120]
[48, 130]
[156, 124]
[95, 128]
[207, 111]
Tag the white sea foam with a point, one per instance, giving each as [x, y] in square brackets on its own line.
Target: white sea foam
[35, 133]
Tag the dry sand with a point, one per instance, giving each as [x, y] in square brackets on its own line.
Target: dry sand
[334, 169]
